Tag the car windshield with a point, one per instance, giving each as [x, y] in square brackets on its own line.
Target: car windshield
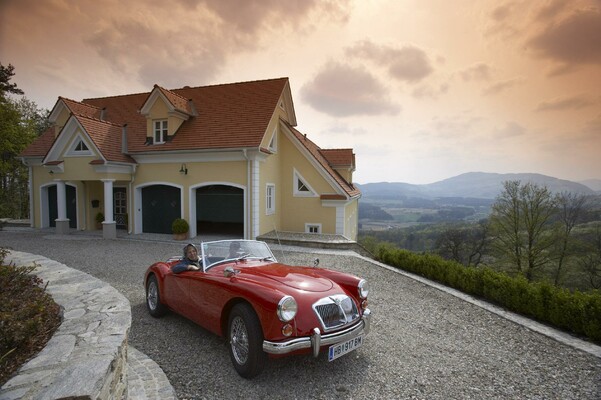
[227, 250]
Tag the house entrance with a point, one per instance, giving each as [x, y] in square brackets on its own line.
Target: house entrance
[120, 207]
[71, 198]
[161, 204]
[220, 210]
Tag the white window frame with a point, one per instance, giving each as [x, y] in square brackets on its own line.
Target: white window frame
[160, 130]
[311, 225]
[73, 151]
[269, 199]
[273, 144]
[297, 177]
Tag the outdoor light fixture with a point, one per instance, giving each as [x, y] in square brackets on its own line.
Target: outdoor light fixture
[183, 170]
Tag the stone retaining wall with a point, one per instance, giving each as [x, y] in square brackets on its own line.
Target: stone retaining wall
[86, 358]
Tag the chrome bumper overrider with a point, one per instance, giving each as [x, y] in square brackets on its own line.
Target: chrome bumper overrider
[316, 340]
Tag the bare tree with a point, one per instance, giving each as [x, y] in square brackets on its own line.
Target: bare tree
[570, 206]
[591, 262]
[521, 217]
[464, 244]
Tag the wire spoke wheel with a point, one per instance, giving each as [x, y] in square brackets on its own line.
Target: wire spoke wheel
[239, 340]
[246, 341]
[153, 295]
[153, 298]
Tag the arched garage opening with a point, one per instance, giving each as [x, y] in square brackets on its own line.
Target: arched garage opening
[220, 210]
[161, 204]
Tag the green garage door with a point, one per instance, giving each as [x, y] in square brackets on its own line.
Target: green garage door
[161, 204]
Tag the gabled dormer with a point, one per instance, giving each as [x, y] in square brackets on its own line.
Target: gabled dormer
[341, 161]
[165, 112]
[64, 108]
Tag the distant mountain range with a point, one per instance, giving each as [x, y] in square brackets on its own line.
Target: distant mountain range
[477, 185]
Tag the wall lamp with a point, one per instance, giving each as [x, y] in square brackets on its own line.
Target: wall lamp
[183, 170]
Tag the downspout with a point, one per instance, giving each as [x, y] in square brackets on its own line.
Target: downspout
[30, 189]
[248, 196]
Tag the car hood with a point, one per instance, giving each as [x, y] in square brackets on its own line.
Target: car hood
[300, 278]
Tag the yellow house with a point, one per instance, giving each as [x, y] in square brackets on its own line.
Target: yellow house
[226, 158]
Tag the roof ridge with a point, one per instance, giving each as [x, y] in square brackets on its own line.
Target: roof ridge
[79, 102]
[172, 92]
[97, 120]
[233, 83]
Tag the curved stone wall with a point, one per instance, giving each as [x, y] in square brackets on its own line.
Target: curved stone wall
[86, 358]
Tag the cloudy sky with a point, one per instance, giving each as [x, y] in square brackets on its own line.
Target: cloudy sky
[422, 90]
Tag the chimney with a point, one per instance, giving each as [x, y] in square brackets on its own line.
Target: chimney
[102, 112]
[124, 139]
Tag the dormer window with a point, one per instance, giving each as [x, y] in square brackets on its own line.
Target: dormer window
[81, 146]
[160, 131]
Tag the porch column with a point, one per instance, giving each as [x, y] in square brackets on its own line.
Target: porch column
[109, 226]
[62, 222]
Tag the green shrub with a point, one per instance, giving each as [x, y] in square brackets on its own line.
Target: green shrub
[28, 316]
[180, 225]
[575, 312]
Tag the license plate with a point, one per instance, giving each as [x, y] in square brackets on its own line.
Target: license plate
[340, 349]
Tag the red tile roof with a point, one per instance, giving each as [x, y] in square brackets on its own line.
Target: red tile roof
[229, 116]
[81, 109]
[339, 158]
[316, 152]
[107, 137]
[178, 102]
[41, 145]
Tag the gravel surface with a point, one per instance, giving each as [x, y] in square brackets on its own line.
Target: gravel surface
[424, 343]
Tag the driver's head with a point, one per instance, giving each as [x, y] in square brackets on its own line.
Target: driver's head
[191, 252]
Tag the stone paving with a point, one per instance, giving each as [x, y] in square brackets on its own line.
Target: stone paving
[88, 356]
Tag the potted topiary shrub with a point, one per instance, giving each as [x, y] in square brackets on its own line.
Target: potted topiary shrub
[180, 229]
[99, 220]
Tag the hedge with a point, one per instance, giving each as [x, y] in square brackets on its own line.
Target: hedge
[576, 312]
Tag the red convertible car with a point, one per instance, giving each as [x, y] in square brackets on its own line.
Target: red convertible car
[262, 307]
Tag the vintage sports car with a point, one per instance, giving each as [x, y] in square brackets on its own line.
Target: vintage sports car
[262, 307]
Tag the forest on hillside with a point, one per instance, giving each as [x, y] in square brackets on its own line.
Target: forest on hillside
[527, 230]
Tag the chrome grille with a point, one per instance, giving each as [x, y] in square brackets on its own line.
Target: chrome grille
[335, 311]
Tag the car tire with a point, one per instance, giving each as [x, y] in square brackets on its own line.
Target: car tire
[245, 341]
[153, 298]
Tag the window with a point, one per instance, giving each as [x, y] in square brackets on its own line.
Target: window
[273, 144]
[301, 187]
[81, 146]
[160, 131]
[270, 199]
[313, 228]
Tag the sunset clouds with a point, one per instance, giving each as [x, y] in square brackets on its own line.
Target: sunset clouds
[452, 87]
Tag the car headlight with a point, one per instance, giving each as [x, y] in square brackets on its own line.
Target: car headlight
[287, 308]
[363, 289]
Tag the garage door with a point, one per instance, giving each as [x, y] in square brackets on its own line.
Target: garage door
[220, 210]
[161, 204]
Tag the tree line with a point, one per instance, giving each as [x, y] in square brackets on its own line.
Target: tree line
[21, 121]
[531, 232]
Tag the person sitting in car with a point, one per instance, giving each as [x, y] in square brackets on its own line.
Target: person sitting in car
[190, 261]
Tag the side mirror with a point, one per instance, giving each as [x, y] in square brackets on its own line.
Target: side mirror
[316, 263]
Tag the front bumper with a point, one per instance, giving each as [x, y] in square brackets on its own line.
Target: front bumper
[316, 340]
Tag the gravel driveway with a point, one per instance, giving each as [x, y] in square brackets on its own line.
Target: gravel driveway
[424, 343]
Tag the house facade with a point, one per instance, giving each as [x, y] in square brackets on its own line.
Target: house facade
[226, 158]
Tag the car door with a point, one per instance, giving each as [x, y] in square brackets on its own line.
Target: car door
[177, 292]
